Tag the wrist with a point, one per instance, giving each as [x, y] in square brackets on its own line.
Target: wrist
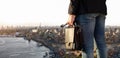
[72, 18]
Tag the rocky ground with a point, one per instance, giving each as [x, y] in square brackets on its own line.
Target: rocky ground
[54, 39]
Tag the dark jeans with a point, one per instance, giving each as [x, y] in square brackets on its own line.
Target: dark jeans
[93, 26]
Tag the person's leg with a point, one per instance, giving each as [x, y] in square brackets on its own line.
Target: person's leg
[87, 22]
[100, 36]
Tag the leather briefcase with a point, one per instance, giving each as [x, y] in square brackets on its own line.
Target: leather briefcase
[73, 38]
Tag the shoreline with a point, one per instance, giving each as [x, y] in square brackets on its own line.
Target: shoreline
[49, 46]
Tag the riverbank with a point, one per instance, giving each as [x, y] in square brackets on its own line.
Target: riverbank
[48, 45]
[57, 48]
[54, 40]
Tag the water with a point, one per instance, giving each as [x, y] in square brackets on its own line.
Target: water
[18, 47]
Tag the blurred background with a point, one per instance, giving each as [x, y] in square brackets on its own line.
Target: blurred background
[31, 29]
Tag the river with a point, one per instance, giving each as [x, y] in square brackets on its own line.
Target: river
[18, 47]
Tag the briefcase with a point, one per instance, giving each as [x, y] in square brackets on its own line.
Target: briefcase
[73, 38]
[69, 38]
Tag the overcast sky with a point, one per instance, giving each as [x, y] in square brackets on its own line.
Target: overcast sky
[46, 12]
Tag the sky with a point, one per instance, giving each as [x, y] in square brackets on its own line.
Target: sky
[46, 12]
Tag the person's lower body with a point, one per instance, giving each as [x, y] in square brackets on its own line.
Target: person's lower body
[93, 26]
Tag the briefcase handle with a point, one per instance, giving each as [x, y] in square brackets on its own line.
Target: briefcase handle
[75, 25]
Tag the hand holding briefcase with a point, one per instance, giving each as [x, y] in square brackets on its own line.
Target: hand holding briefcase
[73, 38]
